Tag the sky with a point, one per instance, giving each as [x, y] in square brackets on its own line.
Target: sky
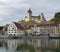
[15, 10]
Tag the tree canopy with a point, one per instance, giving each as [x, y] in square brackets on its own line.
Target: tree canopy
[56, 17]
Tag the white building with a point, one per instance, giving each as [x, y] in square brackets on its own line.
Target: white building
[15, 29]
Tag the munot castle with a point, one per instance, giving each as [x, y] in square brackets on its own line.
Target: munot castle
[40, 18]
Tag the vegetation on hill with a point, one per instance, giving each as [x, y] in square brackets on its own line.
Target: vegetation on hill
[56, 17]
[27, 23]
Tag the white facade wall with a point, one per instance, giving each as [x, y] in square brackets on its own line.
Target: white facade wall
[12, 29]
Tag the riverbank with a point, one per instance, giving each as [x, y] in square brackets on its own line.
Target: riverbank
[28, 37]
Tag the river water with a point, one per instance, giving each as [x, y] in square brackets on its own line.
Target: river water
[29, 45]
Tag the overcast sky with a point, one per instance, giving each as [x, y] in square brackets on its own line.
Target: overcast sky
[15, 10]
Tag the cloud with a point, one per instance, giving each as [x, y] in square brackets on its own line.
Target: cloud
[1, 19]
[48, 7]
[12, 10]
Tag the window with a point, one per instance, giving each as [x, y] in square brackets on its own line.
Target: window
[14, 32]
[9, 32]
[12, 28]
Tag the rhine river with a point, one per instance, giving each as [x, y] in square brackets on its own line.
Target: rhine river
[29, 45]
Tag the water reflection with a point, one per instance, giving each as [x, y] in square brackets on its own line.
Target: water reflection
[30, 45]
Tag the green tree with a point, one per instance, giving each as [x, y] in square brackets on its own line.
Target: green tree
[56, 17]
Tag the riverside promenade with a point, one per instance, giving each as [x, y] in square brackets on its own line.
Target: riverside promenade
[23, 37]
[29, 37]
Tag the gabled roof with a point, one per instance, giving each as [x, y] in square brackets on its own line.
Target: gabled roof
[19, 26]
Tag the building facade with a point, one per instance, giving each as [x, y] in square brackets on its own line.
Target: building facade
[38, 18]
[47, 27]
[15, 29]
